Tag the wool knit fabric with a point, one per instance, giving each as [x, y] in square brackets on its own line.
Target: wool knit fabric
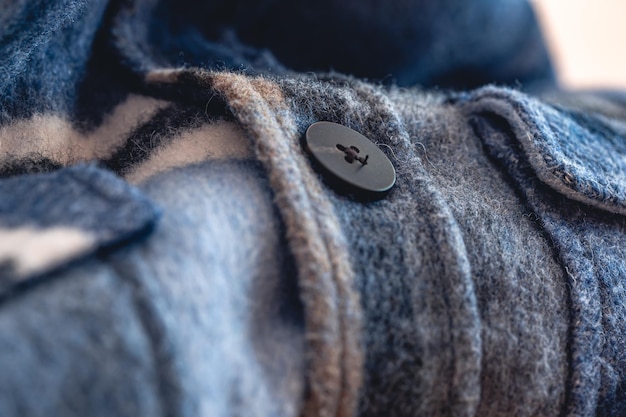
[167, 248]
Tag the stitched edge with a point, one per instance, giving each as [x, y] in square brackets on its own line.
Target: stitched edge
[332, 307]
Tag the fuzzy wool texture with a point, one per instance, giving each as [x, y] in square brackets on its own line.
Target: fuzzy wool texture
[41, 71]
[588, 237]
[221, 306]
[86, 208]
[232, 279]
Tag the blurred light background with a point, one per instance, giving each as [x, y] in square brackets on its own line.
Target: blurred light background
[587, 39]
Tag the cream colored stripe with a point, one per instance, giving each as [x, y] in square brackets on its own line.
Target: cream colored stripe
[55, 138]
[30, 251]
[221, 140]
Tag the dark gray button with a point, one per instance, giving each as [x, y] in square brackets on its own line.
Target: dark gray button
[351, 161]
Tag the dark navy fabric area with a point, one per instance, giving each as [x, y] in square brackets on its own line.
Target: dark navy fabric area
[46, 45]
[448, 43]
[44, 48]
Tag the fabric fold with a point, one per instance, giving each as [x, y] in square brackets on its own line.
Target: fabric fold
[570, 167]
[325, 275]
[49, 220]
[580, 155]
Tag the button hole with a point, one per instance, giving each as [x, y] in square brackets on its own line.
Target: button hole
[351, 154]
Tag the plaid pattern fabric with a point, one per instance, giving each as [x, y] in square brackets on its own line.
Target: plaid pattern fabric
[167, 248]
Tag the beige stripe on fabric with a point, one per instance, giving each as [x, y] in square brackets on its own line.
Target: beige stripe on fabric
[57, 139]
[217, 141]
[32, 251]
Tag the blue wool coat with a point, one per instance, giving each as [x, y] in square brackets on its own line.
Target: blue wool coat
[168, 247]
